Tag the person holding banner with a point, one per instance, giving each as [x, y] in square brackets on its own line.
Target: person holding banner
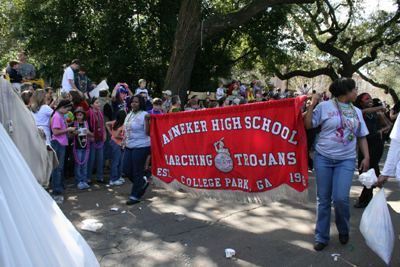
[136, 143]
[342, 125]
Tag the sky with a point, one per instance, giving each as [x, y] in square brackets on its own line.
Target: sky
[387, 5]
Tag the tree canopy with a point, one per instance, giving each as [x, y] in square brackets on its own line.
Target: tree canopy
[341, 40]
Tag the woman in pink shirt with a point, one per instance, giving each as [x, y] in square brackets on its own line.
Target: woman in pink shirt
[58, 142]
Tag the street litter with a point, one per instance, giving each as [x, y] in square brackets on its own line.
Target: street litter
[58, 199]
[124, 211]
[107, 185]
[140, 208]
[91, 225]
[129, 233]
[335, 256]
[229, 253]
[351, 248]
[185, 245]
[112, 233]
[114, 209]
[179, 219]
[216, 211]
[178, 213]
[97, 204]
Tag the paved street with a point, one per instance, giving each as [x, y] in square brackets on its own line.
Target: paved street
[277, 234]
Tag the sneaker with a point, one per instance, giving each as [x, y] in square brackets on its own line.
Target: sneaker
[117, 182]
[81, 185]
[122, 179]
[86, 185]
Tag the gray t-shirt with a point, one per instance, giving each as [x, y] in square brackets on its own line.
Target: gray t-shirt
[137, 134]
[330, 139]
[24, 69]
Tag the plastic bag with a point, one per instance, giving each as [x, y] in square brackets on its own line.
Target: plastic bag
[377, 228]
[368, 178]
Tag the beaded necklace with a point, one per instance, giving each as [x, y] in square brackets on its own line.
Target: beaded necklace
[355, 122]
[127, 126]
[100, 121]
[87, 145]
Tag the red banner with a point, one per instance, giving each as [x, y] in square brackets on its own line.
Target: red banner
[250, 148]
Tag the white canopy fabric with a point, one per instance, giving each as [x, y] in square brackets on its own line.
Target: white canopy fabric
[33, 229]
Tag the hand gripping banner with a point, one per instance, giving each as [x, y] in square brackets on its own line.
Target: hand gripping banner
[254, 152]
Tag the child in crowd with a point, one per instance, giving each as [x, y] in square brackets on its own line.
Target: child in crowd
[96, 120]
[59, 142]
[116, 129]
[15, 77]
[157, 105]
[235, 91]
[214, 104]
[82, 82]
[81, 147]
[220, 91]
[142, 87]
[119, 98]
[224, 102]
[191, 105]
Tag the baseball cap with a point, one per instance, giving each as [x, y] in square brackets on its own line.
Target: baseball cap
[168, 92]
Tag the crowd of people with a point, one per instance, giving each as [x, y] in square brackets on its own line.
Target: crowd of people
[88, 131]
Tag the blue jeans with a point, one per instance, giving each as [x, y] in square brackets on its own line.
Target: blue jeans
[107, 148]
[132, 166]
[58, 173]
[81, 170]
[116, 165]
[95, 154]
[334, 178]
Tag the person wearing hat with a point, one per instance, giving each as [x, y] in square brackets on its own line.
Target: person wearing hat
[59, 141]
[142, 87]
[167, 105]
[119, 97]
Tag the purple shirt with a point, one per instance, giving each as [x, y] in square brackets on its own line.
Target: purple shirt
[59, 122]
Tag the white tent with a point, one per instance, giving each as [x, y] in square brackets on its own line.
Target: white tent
[33, 229]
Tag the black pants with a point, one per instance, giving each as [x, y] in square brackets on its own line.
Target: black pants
[311, 134]
[375, 148]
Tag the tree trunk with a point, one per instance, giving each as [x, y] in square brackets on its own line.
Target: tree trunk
[189, 33]
[187, 41]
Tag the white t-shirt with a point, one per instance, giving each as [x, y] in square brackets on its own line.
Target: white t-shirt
[304, 92]
[138, 91]
[42, 118]
[220, 93]
[137, 134]
[330, 138]
[68, 75]
[392, 163]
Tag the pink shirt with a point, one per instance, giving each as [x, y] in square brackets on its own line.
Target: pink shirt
[59, 122]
